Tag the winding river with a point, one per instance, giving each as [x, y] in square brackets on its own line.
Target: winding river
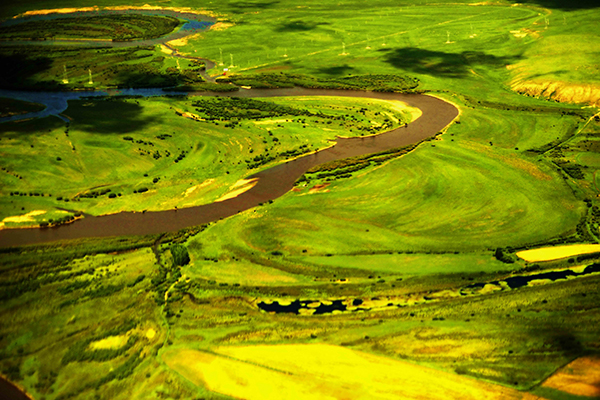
[272, 182]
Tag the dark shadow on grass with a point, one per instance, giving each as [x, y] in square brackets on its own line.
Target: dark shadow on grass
[38, 127]
[336, 71]
[565, 5]
[19, 70]
[109, 116]
[299, 26]
[246, 6]
[442, 64]
[143, 76]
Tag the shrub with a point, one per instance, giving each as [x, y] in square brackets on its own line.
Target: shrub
[180, 255]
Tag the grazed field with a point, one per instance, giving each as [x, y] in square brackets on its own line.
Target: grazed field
[323, 372]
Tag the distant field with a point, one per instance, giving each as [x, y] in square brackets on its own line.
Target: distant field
[74, 67]
[113, 27]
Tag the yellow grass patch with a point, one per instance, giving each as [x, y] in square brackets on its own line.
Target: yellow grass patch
[150, 333]
[192, 116]
[184, 40]
[562, 91]
[165, 49]
[269, 121]
[402, 107]
[518, 34]
[111, 342]
[57, 11]
[238, 188]
[557, 252]
[96, 8]
[318, 371]
[220, 26]
[581, 378]
[22, 218]
[200, 186]
[319, 188]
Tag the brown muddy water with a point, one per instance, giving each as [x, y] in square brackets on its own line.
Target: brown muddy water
[272, 182]
[8, 391]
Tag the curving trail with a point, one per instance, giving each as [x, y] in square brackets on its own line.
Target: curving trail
[272, 183]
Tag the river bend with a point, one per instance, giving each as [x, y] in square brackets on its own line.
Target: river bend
[272, 182]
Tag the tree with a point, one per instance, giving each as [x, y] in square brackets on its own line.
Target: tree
[180, 255]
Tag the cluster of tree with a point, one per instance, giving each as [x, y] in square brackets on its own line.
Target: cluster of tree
[504, 255]
[139, 141]
[17, 193]
[11, 173]
[115, 27]
[571, 169]
[181, 156]
[263, 159]
[225, 108]
[103, 291]
[136, 281]
[45, 380]
[381, 83]
[94, 193]
[180, 255]
[60, 221]
[340, 169]
[204, 87]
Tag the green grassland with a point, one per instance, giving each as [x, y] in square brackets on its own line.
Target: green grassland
[407, 235]
[151, 157]
[469, 190]
[151, 303]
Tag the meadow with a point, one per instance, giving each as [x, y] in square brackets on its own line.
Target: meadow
[164, 153]
[403, 266]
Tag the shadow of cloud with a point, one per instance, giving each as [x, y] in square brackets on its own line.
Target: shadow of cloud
[336, 71]
[111, 116]
[299, 26]
[439, 63]
[246, 6]
[564, 5]
[138, 79]
[19, 71]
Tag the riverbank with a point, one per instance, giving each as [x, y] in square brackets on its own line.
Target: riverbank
[272, 183]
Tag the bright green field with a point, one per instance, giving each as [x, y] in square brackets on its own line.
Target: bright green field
[418, 248]
[92, 154]
[458, 195]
